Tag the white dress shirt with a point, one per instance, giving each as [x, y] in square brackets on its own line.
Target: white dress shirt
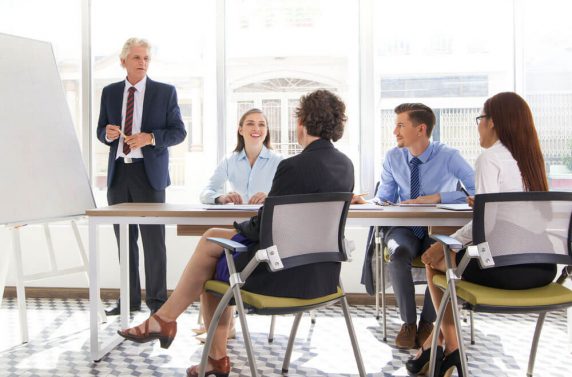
[495, 171]
[138, 97]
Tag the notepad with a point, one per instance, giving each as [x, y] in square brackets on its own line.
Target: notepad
[233, 207]
[416, 205]
[366, 207]
[455, 207]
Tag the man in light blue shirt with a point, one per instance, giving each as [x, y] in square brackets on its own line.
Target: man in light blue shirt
[417, 171]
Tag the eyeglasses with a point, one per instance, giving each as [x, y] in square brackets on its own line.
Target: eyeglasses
[478, 119]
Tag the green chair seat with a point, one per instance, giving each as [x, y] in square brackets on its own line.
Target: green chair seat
[417, 263]
[549, 296]
[262, 302]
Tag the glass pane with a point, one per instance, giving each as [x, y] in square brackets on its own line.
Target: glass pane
[548, 83]
[438, 55]
[28, 18]
[279, 50]
[182, 36]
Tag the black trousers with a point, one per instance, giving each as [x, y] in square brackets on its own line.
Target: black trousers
[131, 185]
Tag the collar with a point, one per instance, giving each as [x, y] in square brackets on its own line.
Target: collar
[264, 153]
[318, 144]
[140, 86]
[423, 156]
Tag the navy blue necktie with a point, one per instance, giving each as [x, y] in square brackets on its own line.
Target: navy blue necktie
[419, 231]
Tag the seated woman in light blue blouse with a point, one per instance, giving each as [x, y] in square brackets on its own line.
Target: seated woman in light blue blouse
[249, 169]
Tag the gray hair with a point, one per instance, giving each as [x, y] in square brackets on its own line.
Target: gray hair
[131, 42]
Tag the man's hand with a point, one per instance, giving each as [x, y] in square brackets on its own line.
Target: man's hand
[231, 197]
[257, 198]
[471, 201]
[112, 132]
[139, 140]
[427, 199]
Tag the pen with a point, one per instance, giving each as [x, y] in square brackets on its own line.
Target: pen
[465, 191]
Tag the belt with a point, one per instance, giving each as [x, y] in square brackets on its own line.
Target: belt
[129, 160]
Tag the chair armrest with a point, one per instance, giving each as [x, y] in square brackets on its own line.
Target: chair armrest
[228, 244]
[449, 241]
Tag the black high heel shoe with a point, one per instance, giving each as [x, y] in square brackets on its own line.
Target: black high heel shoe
[420, 365]
[451, 362]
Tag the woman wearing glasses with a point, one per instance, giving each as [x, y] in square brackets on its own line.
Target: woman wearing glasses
[511, 161]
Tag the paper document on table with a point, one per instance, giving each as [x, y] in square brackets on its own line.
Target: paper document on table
[417, 205]
[455, 207]
[366, 207]
[233, 207]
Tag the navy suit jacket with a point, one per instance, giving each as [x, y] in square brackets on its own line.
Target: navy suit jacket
[161, 116]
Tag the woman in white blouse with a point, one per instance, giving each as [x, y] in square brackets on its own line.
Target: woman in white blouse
[249, 169]
[511, 161]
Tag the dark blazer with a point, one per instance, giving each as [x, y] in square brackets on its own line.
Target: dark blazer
[161, 116]
[318, 168]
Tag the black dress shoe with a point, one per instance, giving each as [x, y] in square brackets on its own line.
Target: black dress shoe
[420, 365]
[117, 310]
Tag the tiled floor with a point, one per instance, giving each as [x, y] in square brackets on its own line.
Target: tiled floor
[59, 345]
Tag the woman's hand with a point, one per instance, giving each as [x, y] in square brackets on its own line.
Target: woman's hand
[231, 197]
[434, 257]
[358, 199]
[426, 199]
[257, 198]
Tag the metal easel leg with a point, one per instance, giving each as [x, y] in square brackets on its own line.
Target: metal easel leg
[20, 289]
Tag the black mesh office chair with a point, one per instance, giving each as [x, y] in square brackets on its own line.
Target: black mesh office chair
[295, 230]
[511, 229]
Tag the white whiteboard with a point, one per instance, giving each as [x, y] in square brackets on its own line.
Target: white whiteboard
[41, 168]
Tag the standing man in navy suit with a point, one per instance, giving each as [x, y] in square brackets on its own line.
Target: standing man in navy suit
[139, 119]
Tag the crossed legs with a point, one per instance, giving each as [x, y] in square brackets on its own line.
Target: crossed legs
[199, 269]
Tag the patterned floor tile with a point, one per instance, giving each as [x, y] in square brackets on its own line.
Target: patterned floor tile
[59, 345]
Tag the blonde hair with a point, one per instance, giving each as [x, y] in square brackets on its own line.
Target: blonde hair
[132, 42]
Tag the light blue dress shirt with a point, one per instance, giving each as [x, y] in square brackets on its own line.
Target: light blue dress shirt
[441, 170]
[242, 178]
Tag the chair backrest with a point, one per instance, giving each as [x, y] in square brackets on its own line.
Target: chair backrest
[525, 227]
[307, 228]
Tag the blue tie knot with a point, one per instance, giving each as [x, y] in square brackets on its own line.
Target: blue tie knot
[415, 161]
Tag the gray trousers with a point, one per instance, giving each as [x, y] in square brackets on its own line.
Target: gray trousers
[131, 185]
[403, 247]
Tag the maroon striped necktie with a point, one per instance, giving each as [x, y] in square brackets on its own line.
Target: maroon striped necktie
[128, 119]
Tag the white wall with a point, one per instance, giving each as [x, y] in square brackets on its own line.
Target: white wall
[179, 250]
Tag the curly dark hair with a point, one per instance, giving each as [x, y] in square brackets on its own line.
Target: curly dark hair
[323, 114]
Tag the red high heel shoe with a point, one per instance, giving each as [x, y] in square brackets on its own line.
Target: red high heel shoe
[221, 368]
[166, 334]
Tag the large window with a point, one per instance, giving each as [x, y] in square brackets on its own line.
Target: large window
[276, 51]
[450, 55]
[547, 61]
[438, 55]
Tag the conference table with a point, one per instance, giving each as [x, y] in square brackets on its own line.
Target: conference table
[194, 218]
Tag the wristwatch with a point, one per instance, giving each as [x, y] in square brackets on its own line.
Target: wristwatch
[152, 139]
